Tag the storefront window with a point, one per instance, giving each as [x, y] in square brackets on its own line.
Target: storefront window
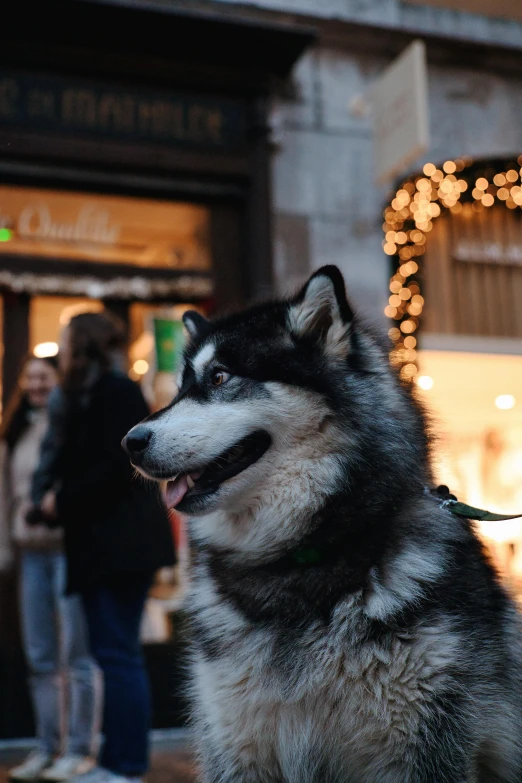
[71, 252]
[476, 402]
[145, 233]
[49, 314]
[1, 350]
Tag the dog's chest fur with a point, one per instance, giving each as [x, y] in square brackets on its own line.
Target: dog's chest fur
[291, 699]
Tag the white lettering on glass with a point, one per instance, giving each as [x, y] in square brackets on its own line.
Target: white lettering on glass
[91, 226]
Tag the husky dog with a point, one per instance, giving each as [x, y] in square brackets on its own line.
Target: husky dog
[346, 627]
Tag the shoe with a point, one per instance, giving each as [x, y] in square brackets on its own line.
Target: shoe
[102, 775]
[66, 767]
[32, 768]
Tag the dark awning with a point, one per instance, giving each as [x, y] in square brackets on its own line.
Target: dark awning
[189, 34]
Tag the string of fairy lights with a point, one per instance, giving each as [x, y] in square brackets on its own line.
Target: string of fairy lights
[455, 186]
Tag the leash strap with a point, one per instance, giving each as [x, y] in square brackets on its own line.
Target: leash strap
[470, 512]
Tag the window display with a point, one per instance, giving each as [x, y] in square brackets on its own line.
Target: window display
[145, 233]
[475, 403]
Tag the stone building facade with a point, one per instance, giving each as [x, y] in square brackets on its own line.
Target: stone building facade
[326, 205]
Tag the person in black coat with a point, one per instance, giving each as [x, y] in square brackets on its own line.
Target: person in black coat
[117, 532]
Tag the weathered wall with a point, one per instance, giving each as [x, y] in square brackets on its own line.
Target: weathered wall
[327, 208]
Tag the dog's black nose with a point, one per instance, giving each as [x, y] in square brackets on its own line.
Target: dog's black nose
[137, 440]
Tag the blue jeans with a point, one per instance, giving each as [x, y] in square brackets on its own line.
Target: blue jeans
[62, 673]
[114, 612]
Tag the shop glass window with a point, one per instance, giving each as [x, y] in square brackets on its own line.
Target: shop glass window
[144, 233]
[1, 349]
[47, 317]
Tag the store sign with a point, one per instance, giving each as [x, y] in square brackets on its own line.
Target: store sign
[91, 225]
[488, 252]
[400, 113]
[56, 104]
[72, 226]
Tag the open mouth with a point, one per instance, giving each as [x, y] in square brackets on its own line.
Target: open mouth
[196, 483]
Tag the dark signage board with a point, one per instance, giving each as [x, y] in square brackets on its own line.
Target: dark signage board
[98, 110]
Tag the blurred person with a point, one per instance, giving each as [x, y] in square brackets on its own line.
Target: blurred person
[53, 626]
[117, 533]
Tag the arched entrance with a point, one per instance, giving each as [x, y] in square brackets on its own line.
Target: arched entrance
[454, 235]
[467, 214]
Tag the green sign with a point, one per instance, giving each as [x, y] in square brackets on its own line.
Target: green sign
[169, 340]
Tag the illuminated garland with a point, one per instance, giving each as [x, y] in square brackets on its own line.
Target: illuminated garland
[408, 219]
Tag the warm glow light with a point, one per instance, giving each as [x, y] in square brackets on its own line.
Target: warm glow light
[417, 204]
[408, 371]
[425, 382]
[42, 350]
[505, 402]
[140, 366]
[423, 185]
[77, 309]
[503, 532]
[407, 327]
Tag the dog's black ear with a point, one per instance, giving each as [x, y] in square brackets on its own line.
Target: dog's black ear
[195, 324]
[321, 310]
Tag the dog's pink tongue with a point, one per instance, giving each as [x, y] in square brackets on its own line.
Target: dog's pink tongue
[175, 491]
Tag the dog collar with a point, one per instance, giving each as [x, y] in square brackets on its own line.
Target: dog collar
[309, 556]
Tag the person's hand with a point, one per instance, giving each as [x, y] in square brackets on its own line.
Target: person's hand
[49, 504]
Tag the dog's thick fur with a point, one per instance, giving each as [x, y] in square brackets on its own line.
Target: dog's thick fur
[346, 627]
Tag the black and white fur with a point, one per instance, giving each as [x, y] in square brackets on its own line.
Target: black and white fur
[393, 655]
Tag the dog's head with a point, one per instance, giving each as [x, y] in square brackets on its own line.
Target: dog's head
[273, 403]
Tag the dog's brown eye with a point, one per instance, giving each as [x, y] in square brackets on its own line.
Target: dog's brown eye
[220, 377]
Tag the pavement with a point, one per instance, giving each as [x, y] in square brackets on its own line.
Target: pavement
[171, 759]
